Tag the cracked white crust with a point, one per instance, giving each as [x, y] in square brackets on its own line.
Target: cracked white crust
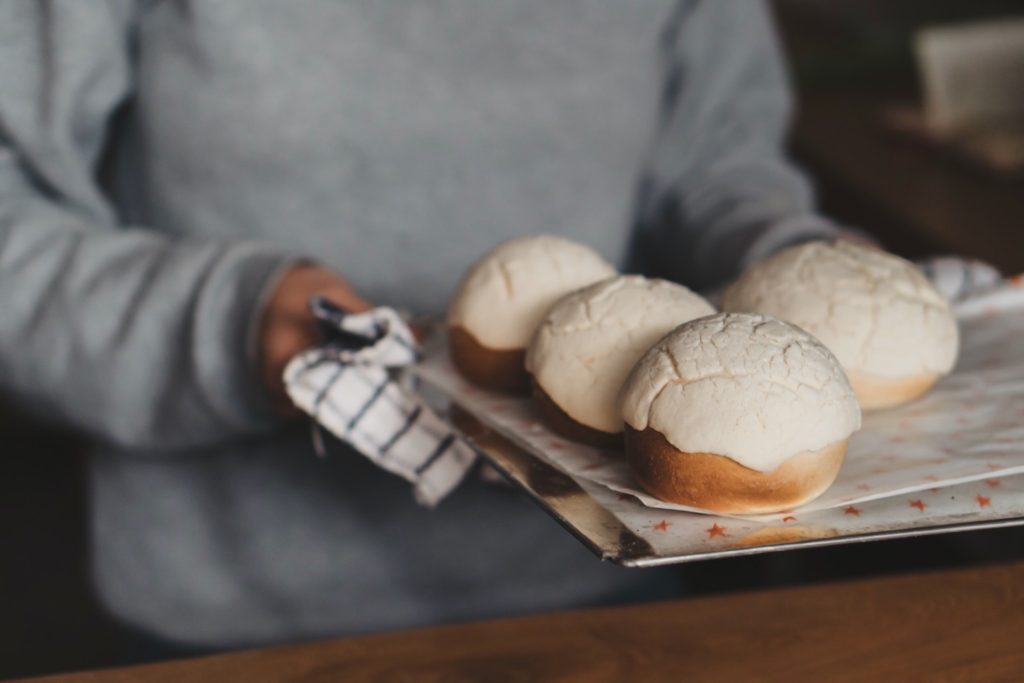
[508, 291]
[876, 312]
[591, 339]
[745, 386]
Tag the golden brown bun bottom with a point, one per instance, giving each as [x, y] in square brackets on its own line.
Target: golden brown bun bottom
[562, 424]
[720, 484]
[883, 392]
[501, 370]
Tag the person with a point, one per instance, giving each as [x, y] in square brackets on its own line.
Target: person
[178, 177]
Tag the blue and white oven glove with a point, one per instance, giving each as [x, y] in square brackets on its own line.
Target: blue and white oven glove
[959, 279]
[351, 386]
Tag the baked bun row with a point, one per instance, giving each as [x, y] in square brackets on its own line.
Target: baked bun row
[734, 412]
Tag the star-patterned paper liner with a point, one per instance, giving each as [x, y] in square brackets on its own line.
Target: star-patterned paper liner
[969, 428]
[677, 536]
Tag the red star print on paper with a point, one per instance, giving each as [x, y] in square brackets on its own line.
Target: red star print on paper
[919, 504]
[992, 483]
[715, 530]
[851, 511]
[983, 501]
[993, 466]
[662, 526]
[789, 518]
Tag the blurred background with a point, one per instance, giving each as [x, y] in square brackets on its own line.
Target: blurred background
[915, 135]
[911, 120]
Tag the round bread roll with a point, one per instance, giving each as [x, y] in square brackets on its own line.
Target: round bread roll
[891, 330]
[502, 300]
[591, 339]
[738, 413]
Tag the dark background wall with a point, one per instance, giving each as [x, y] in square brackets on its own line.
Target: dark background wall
[49, 620]
[854, 67]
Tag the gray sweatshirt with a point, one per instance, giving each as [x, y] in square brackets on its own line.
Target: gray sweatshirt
[162, 161]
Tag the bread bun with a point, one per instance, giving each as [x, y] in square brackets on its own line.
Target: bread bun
[561, 423]
[591, 339]
[738, 413]
[720, 484]
[493, 369]
[892, 331]
[502, 299]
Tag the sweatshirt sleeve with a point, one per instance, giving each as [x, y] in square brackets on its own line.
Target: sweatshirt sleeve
[719, 191]
[114, 330]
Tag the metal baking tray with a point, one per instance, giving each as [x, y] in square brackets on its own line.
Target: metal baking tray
[985, 395]
[611, 536]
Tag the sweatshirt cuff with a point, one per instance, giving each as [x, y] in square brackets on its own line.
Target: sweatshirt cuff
[789, 233]
[228, 335]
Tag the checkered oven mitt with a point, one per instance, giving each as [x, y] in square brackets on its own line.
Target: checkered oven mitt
[959, 278]
[351, 387]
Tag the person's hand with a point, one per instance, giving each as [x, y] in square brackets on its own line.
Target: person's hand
[287, 327]
[860, 239]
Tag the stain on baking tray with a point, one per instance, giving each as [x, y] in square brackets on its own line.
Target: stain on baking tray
[632, 546]
[541, 478]
[548, 482]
